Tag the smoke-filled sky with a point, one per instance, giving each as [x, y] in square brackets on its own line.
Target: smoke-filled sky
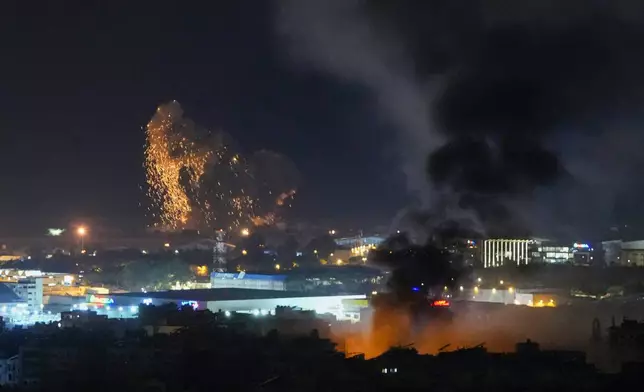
[513, 116]
[526, 117]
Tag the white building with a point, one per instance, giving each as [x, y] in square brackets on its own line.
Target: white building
[499, 252]
[257, 302]
[242, 280]
[30, 291]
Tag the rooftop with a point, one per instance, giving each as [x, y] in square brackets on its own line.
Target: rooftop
[215, 294]
[7, 295]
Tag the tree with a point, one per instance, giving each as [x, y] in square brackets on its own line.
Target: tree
[324, 245]
[288, 249]
[154, 275]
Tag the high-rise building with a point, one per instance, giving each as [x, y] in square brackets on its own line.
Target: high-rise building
[500, 252]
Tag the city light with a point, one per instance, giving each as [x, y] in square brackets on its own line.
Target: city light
[277, 267]
[81, 233]
[500, 282]
[227, 313]
[511, 289]
[331, 232]
[167, 244]
[244, 252]
[55, 232]
[339, 262]
[244, 232]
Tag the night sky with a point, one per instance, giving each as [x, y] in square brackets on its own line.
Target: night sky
[511, 118]
[79, 81]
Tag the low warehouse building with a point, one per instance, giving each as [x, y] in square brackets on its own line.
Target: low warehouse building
[230, 300]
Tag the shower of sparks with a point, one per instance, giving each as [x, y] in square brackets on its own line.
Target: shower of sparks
[197, 180]
[168, 154]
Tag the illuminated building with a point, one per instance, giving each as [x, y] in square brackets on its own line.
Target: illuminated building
[29, 290]
[359, 241]
[362, 250]
[499, 252]
[256, 302]
[242, 280]
[511, 296]
[553, 254]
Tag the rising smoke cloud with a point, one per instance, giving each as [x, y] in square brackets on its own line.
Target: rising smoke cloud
[525, 116]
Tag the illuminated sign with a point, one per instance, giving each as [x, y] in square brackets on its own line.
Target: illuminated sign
[95, 299]
[581, 246]
[441, 303]
[194, 304]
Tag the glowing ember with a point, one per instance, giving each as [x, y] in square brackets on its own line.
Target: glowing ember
[196, 179]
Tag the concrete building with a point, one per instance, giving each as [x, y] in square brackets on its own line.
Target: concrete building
[510, 296]
[624, 253]
[500, 252]
[9, 370]
[257, 302]
[29, 290]
[359, 241]
[552, 254]
[242, 280]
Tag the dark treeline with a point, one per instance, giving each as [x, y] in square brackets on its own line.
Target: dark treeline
[210, 355]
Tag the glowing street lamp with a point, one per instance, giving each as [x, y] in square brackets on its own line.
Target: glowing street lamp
[245, 232]
[81, 233]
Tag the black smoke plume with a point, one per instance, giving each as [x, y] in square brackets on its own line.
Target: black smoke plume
[526, 116]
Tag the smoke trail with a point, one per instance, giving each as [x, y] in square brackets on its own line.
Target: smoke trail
[528, 111]
[338, 37]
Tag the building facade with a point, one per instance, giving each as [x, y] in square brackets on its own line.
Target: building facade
[10, 370]
[31, 291]
[624, 253]
[242, 280]
[500, 252]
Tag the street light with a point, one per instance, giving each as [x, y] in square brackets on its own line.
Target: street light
[245, 232]
[81, 233]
